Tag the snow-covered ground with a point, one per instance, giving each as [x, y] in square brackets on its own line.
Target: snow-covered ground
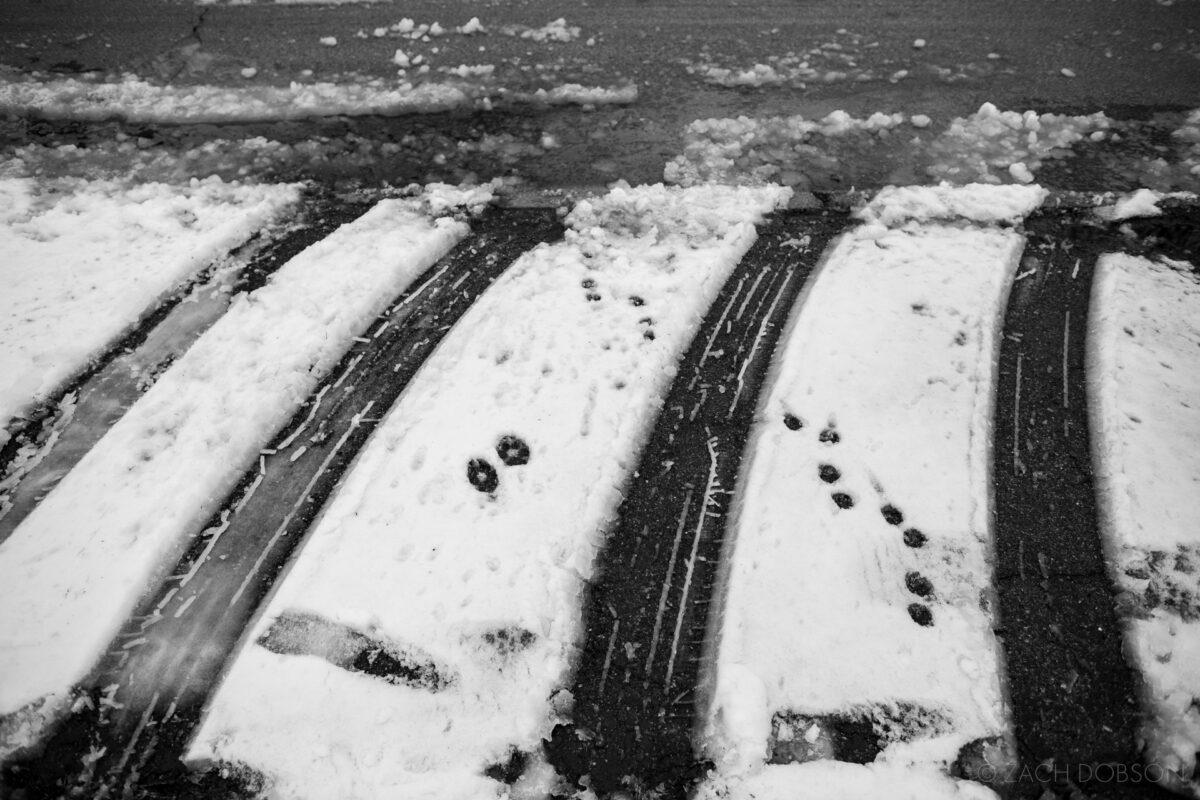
[460, 542]
[83, 261]
[73, 571]
[1144, 348]
[858, 583]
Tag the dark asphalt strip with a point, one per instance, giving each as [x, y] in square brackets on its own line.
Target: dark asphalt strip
[647, 610]
[149, 690]
[1074, 697]
[108, 389]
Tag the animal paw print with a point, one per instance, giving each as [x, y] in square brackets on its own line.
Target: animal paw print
[916, 583]
[512, 452]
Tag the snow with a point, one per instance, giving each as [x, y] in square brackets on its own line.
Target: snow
[137, 100]
[1140, 203]
[888, 369]
[1144, 381]
[556, 31]
[833, 780]
[473, 26]
[85, 260]
[75, 568]
[571, 351]
[749, 150]
[979, 147]
[989, 146]
[893, 206]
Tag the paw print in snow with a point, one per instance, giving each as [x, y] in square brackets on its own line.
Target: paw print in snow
[482, 475]
[512, 450]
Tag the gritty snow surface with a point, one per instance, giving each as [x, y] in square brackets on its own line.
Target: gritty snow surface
[1144, 345]
[858, 622]
[74, 569]
[427, 628]
[84, 260]
[137, 100]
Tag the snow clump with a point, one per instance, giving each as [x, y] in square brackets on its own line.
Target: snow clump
[894, 206]
[990, 143]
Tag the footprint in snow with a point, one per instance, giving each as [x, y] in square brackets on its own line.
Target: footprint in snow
[915, 582]
[512, 450]
[482, 475]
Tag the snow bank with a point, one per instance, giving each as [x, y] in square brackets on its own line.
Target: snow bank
[1144, 381]
[471, 520]
[858, 587]
[894, 206]
[74, 569]
[84, 261]
[137, 100]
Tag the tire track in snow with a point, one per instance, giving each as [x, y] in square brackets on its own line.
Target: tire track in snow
[1073, 695]
[145, 698]
[647, 612]
[115, 382]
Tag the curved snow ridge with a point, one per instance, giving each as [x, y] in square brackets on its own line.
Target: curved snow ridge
[470, 522]
[137, 100]
[858, 622]
[74, 570]
[987, 204]
[1144, 378]
[85, 260]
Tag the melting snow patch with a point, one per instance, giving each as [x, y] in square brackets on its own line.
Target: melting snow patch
[1141, 203]
[748, 150]
[990, 146]
[470, 522]
[982, 146]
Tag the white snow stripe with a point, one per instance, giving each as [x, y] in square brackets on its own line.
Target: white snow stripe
[666, 588]
[1143, 381]
[72, 572]
[709, 499]
[892, 350]
[85, 260]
